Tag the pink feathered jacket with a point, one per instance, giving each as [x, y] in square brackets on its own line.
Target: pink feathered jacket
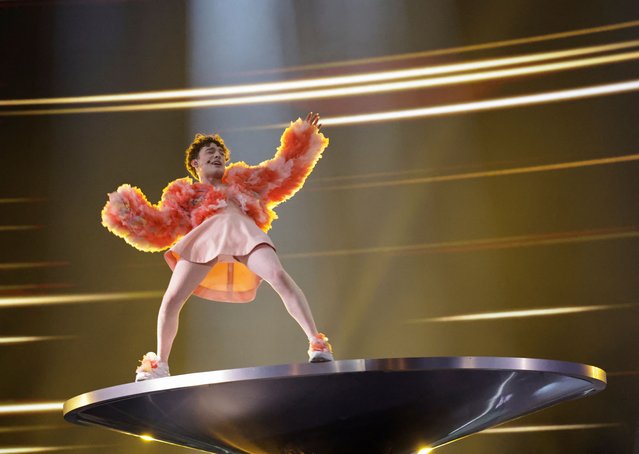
[185, 205]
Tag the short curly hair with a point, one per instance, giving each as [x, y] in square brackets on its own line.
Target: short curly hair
[202, 140]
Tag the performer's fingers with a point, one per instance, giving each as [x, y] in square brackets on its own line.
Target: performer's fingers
[312, 118]
[319, 126]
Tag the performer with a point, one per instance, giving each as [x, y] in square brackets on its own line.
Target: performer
[215, 230]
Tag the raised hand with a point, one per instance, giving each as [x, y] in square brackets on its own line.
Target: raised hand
[313, 119]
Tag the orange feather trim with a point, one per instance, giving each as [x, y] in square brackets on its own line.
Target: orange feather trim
[147, 227]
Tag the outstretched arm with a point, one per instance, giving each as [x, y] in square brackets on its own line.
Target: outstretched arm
[279, 178]
[129, 215]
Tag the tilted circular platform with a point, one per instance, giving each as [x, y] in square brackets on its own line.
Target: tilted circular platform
[396, 405]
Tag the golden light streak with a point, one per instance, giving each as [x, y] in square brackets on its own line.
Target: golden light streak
[453, 50]
[21, 200]
[16, 228]
[397, 86]
[323, 82]
[29, 265]
[21, 287]
[410, 85]
[481, 244]
[42, 407]
[476, 106]
[623, 373]
[484, 174]
[13, 429]
[318, 181]
[545, 312]
[25, 339]
[363, 176]
[547, 428]
[28, 449]
[147, 438]
[19, 301]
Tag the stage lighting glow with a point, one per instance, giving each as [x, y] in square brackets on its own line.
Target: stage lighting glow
[623, 373]
[41, 407]
[431, 82]
[21, 200]
[481, 244]
[77, 298]
[28, 449]
[29, 265]
[481, 174]
[22, 287]
[330, 81]
[16, 228]
[454, 50]
[149, 438]
[13, 429]
[476, 106]
[524, 313]
[546, 428]
[382, 87]
[25, 339]
[425, 450]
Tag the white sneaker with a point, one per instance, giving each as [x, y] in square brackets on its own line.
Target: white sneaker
[319, 350]
[151, 367]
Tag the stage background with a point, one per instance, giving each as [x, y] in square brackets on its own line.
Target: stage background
[401, 223]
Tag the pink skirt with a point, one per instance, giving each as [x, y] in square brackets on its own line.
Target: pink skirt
[225, 236]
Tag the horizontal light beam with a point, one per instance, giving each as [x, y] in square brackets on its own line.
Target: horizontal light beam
[29, 449]
[476, 106]
[321, 82]
[524, 313]
[21, 200]
[19, 301]
[623, 373]
[481, 174]
[483, 244]
[367, 89]
[22, 287]
[547, 428]
[14, 429]
[41, 407]
[413, 84]
[17, 228]
[28, 265]
[452, 50]
[24, 339]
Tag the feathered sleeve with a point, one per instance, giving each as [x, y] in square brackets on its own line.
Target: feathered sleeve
[129, 215]
[279, 178]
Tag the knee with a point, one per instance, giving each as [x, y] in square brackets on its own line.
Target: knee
[279, 279]
[172, 301]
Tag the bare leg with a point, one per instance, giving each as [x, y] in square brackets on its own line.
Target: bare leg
[264, 262]
[186, 277]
